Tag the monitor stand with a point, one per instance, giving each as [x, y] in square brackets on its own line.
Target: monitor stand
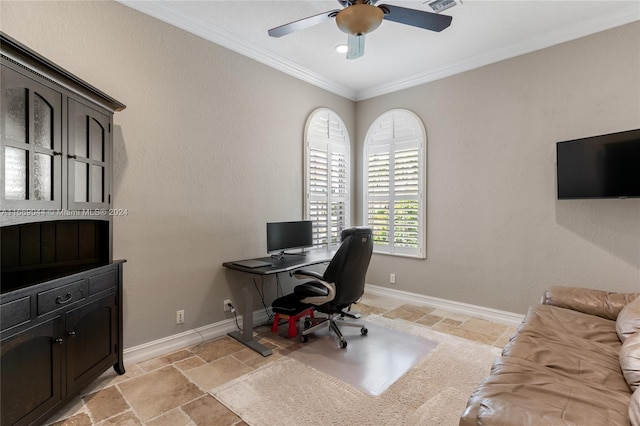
[278, 257]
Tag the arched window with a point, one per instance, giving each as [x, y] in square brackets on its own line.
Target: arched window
[327, 176]
[394, 183]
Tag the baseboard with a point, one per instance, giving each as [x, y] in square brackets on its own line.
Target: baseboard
[201, 334]
[467, 309]
[187, 338]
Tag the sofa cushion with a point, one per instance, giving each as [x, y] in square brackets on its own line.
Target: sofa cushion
[600, 370]
[512, 395]
[628, 321]
[575, 328]
[630, 361]
[542, 347]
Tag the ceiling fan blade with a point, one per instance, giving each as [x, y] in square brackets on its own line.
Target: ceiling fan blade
[416, 18]
[303, 23]
[356, 46]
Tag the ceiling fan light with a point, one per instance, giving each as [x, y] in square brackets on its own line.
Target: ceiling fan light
[359, 19]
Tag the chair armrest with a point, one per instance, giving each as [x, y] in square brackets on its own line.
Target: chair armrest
[319, 281]
[589, 301]
[318, 300]
[310, 288]
[302, 274]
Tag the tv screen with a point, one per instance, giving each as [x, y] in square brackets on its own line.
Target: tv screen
[289, 235]
[606, 166]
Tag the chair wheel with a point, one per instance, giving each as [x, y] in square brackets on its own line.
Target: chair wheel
[364, 331]
[343, 344]
[307, 324]
[303, 338]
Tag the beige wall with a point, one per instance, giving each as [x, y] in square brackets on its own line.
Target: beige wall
[208, 150]
[496, 235]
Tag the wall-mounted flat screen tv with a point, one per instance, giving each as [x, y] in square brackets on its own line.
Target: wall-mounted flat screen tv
[606, 166]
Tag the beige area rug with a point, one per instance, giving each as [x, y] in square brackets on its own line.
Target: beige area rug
[433, 392]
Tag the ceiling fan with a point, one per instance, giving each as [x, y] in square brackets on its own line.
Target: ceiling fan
[359, 17]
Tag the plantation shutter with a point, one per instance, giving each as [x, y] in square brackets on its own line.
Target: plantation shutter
[406, 196]
[378, 192]
[327, 177]
[318, 194]
[394, 183]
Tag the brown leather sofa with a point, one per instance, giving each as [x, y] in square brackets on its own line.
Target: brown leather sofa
[566, 364]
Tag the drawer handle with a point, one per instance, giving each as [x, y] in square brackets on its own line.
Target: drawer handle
[60, 301]
[59, 340]
[71, 334]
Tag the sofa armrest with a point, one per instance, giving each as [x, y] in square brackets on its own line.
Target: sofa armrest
[589, 301]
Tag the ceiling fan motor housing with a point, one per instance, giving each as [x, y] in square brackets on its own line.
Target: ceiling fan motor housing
[359, 19]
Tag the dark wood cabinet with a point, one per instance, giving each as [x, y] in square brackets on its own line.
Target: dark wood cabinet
[55, 139]
[36, 157]
[91, 333]
[31, 122]
[31, 375]
[58, 337]
[60, 289]
[89, 151]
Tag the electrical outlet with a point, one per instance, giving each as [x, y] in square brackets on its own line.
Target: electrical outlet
[180, 316]
[227, 302]
[392, 278]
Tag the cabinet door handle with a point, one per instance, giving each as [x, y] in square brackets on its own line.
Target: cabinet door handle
[56, 153]
[59, 340]
[72, 156]
[67, 299]
[72, 334]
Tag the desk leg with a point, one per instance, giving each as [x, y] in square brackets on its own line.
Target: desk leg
[246, 337]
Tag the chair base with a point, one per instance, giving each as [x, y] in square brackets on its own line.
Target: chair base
[291, 319]
[330, 322]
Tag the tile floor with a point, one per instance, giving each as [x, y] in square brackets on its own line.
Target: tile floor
[172, 389]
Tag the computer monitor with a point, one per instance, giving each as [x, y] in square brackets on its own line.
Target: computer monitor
[283, 236]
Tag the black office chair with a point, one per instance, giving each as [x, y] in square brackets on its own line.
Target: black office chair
[341, 285]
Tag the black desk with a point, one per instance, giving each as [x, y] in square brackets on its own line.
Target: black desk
[288, 263]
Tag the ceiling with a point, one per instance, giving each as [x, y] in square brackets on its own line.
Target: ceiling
[396, 56]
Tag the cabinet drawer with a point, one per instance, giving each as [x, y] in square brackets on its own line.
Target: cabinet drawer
[102, 282]
[58, 297]
[15, 312]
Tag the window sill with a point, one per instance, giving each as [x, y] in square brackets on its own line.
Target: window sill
[411, 256]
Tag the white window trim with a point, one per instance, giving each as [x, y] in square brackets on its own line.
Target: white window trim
[319, 141]
[388, 145]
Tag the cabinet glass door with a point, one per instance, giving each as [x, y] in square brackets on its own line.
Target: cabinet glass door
[89, 149]
[31, 144]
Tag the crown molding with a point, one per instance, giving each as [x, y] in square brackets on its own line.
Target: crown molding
[165, 12]
[551, 38]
